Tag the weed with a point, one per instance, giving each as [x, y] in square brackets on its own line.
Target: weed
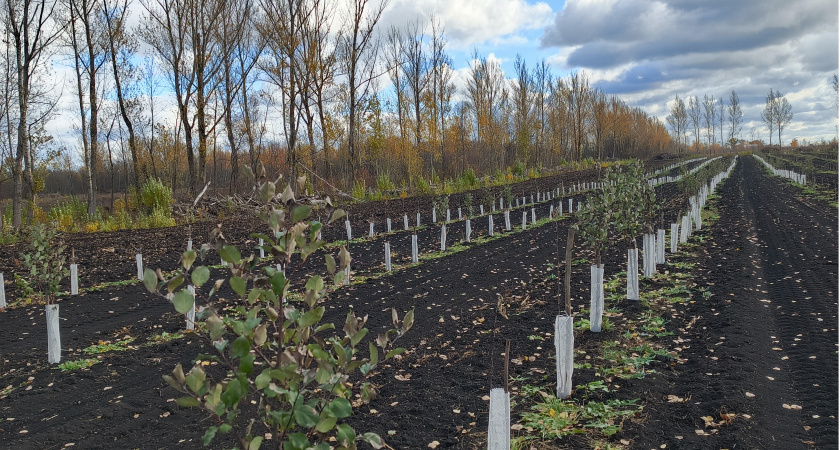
[70, 366]
[107, 346]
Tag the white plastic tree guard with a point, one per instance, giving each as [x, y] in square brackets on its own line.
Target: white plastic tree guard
[532, 199]
[74, 279]
[418, 219]
[2, 291]
[684, 230]
[632, 274]
[388, 224]
[387, 256]
[507, 220]
[674, 236]
[405, 222]
[434, 215]
[347, 275]
[490, 225]
[189, 244]
[414, 249]
[517, 202]
[648, 257]
[533, 216]
[564, 346]
[459, 214]
[550, 210]
[370, 231]
[262, 250]
[660, 246]
[596, 297]
[447, 216]
[498, 430]
[349, 231]
[469, 230]
[443, 237]
[524, 220]
[501, 203]
[523, 200]
[53, 335]
[570, 206]
[481, 209]
[139, 258]
[559, 208]
[191, 311]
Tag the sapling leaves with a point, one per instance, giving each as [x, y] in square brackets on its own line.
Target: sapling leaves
[183, 301]
[330, 263]
[200, 275]
[336, 215]
[150, 280]
[230, 254]
[188, 258]
[238, 285]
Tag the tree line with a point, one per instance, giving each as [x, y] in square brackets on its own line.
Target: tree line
[303, 86]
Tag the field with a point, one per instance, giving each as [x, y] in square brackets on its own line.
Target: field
[734, 344]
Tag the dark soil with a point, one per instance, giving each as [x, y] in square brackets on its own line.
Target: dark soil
[456, 344]
[767, 336]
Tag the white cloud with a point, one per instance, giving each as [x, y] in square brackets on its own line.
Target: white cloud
[471, 22]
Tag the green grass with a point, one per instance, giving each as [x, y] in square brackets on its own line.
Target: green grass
[105, 347]
[70, 366]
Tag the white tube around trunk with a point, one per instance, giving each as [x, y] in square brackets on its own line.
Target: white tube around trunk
[684, 230]
[2, 291]
[632, 274]
[53, 335]
[570, 206]
[507, 220]
[674, 233]
[517, 202]
[524, 220]
[388, 224]
[414, 249]
[370, 231]
[498, 430]
[405, 222]
[447, 215]
[481, 209]
[189, 244]
[564, 346]
[443, 238]
[434, 215]
[501, 203]
[347, 275]
[490, 226]
[660, 246]
[349, 231]
[139, 258]
[550, 210]
[191, 311]
[533, 216]
[459, 214]
[262, 250]
[74, 279]
[596, 297]
[387, 256]
[560, 208]
[469, 230]
[418, 219]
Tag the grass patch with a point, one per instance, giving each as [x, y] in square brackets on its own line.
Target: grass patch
[78, 364]
[107, 346]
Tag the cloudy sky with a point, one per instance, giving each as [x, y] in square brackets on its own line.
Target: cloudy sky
[648, 51]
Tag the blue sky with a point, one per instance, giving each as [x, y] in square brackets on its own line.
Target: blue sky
[647, 51]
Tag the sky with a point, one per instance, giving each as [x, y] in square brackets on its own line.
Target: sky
[643, 51]
[647, 51]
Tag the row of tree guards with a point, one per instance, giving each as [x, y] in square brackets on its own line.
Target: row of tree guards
[52, 310]
[789, 174]
[653, 251]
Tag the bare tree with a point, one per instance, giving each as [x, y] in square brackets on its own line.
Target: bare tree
[358, 48]
[34, 29]
[443, 88]
[695, 115]
[721, 117]
[578, 97]
[782, 114]
[768, 113]
[735, 118]
[709, 118]
[122, 45]
[415, 71]
[678, 119]
[522, 92]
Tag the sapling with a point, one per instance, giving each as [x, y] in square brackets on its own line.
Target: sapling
[633, 205]
[285, 373]
[45, 270]
[593, 224]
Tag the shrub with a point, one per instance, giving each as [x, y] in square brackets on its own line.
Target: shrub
[422, 185]
[383, 183]
[468, 204]
[44, 265]
[359, 189]
[519, 169]
[156, 195]
[441, 204]
[277, 355]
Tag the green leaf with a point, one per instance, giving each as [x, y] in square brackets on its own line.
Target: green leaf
[183, 301]
[357, 337]
[337, 214]
[215, 326]
[326, 424]
[297, 441]
[230, 254]
[315, 283]
[300, 212]
[311, 317]
[174, 283]
[188, 258]
[225, 428]
[340, 408]
[240, 347]
[408, 321]
[238, 285]
[195, 379]
[263, 379]
[209, 435]
[233, 393]
[266, 192]
[345, 435]
[330, 263]
[150, 280]
[187, 402]
[394, 352]
[374, 353]
[255, 443]
[200, 275]
[306, 416]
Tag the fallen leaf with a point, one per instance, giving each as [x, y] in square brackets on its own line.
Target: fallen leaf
[516, 427]
[749, 394]
[433, 444]
[676, 399]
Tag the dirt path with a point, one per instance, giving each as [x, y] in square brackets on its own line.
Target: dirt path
[764, 345]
